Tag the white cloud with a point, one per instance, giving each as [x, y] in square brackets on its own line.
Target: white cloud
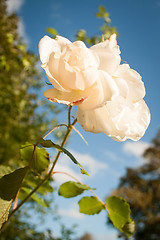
[110, 236]
[135, 148]
[90, 164]
[71, 212]
[14, 5]
[22, 32]
[113, 156]
[158, 3]
[56, 10]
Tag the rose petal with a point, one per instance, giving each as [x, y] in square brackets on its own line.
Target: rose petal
[73, 78]
[53, 81]
[62, 41]
[68, 98]
[47, 45]
[101, 91]
[95, 96]
[78, 67]
[118, 119]
[108, 54]
[129, 83]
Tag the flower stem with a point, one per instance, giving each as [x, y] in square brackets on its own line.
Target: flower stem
[48, 175]
[60, 125]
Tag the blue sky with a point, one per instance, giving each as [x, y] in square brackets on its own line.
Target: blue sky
[138, 24]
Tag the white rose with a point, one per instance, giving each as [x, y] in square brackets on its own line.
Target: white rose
[108, 95]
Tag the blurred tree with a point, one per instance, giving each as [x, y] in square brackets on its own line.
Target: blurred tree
[141, 188]
[23, 115]
[105, 30]
[86, 236]
[20, 82]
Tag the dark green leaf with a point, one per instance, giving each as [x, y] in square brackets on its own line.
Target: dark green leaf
[9, 186]
[119, 214]
[71, 189]
[10, 183]
[90, 205]
[38, 156]
[49, 143]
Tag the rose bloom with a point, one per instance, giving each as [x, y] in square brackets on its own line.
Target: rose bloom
[108, 95]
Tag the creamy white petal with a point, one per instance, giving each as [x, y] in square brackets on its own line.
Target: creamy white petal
[62, 41]
[129, 119]
[73, 78]
[53, 66]
[108, 55]
[95, 96]
[68, 98]
[47, 45]
[129, 83]
[118, 119]
[54, 81]
[101, 91]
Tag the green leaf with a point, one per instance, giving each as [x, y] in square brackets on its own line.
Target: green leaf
[101, 9]
[33, 181]
[90, 205]
[9, 186]
[119, 214]
[49, 143]
[72, 189]
[52, 31]
[99, 15]
[82, 186]
[26, 191]
[4, 170]
[40, 161]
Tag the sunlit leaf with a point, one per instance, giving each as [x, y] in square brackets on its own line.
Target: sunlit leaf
[26, 191]
[90, 205]
[101, 9]
[38, 156]
[49, 143]
[99, 15]
[33, 181]
[4, 170]
[72, 189]
[52, 31]
[119, 214]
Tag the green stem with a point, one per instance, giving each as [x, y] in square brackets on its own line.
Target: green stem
[47, 176]
[69, 116]
[60, 125]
